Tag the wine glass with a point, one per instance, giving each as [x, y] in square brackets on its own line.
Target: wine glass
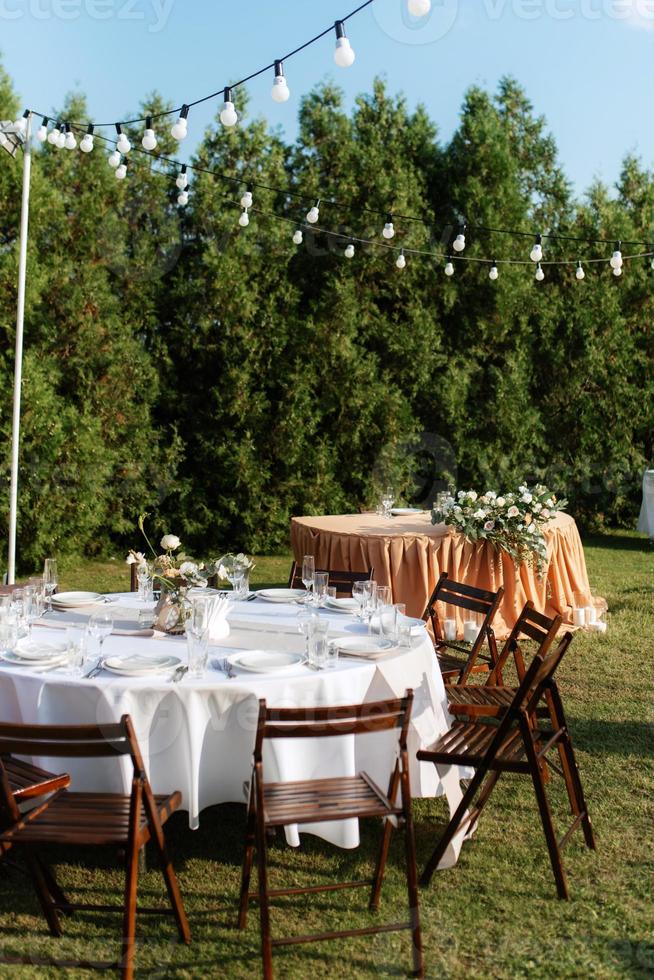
[33, 609]
[359, 596]
[308, 574]
[388, 499]
[100, 625]
[235, 573]
[370, 603]
[50, 579]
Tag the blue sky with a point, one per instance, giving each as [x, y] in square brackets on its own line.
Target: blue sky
[587, 65]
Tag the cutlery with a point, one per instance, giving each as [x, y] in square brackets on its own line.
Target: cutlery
[225, 667]
[94, 670]
[307, 663]
[179, 673]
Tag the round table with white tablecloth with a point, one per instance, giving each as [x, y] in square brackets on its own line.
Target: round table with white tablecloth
[197, 735]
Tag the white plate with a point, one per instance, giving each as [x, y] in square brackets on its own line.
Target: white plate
[405, 511]
[281, 595]
[32, 650]
[16, 661]
[67, 599]
[140, 666]
[363, 646]
[265, 661]
[345, 604]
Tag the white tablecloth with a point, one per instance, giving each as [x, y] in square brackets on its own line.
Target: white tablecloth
[197, 736]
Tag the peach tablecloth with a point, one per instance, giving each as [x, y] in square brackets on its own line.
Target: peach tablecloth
[409, 553]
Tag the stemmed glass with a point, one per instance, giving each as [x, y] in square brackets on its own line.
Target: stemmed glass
[308, 574]
[197, 636]
[50, 579]
[100, 626]
[388, 499]
[359, 596]
[33, 608]
[370, 603]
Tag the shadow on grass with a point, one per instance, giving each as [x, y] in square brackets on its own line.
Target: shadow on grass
[626, 738]
[618, 542]
[637, 955]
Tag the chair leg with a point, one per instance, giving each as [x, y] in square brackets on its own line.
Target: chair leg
[53, 886]
[246, 874]
[571, 770]
[174, 893]
[381, 866]
[42, 893]
[546, 819]
[264, 911]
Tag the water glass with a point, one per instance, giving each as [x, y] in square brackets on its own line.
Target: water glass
[197, 624]
[50, 578]
[318, 643]
[197, 645]
[359, 596]
[331, 592]
[8, 632]
[144, 579]
[332, 655]
[99, 626]
[388, 499]
[243, 590]
[77, 649]
[308, 573]
[306, 620]
[320, 585]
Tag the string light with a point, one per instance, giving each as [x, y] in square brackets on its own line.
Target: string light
[344, 54]
[540, 275]
[280, 91]
[247, 200]
[20, 124]
[349, 251]
[121, 171]
[449, 268]
[580, 274]
[61, 137]
[182, 198]
[298, 237]
[536, 254]
[149, 141]
[86, 143]
[182, 180]
[123, 145]
[400, 261]
[389, 230]
[228, 115]
[244, 219]
[54, 135]
[617, 270]
[179, 129]
[459, 242]
[114, 159]
[313, 214]
[42, 132]
[494, 273]
[616, 258]
[419, 8]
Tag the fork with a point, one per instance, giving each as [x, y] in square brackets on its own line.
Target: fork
[94, 670]
[226, 667]
[179, 673]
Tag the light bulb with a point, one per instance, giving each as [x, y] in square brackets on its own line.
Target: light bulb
[389, 230]
[21, 123]
[580, 274]
[494, 272]
[179, 129]
[313, 215]
[246, 200]
[349, 251]
[69, 141]
[449, 269]
[400, 262]
[182, 198]
[540, 275]
[617, 270]
[280, 90]
[149, 140]
[114, 159]
[182, 180]
[298, 238]
[123, 145]
[228, 115]
[61, 139]
[54, 136]
[86, 144]
[344, 54]
[419, 8]
[244, 219]
[459, 242]
[536, 254]
[616, 258]
[121, 172]
[42, 132]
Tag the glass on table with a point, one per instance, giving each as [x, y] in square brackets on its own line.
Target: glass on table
[359, 596]
[318, 643]
[76, 643]
[197, 646]
[320, 585]
[99, 626]
[308, 573]
[306, 618]
[145, 583]
[8, 632]
[146, 619]
[50, 579]
[388, 499]
[331, 592]
[197, 623]
[370, 603]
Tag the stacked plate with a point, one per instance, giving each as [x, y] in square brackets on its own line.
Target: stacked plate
[37, 656]
[366, 647]
[265, 661]
[138, 665]
[281, 595]
[73, 600]
[343, 605]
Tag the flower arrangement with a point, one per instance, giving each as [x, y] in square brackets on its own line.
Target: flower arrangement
[230, 565]
[512, 521]
[173, 572]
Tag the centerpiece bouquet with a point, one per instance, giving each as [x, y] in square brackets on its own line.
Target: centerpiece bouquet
[511, 521]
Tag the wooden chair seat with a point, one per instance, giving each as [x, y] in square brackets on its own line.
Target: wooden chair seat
[91, 819]
[479, 699]
[466, 743]
[27, 781]
[325, 799]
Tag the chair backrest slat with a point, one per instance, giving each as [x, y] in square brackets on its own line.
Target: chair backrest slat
[465, 602]
[538, 627]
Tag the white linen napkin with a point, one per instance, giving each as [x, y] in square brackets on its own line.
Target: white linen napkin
[218, 625]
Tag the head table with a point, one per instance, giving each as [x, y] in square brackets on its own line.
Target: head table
[408, 553]
[197, 735]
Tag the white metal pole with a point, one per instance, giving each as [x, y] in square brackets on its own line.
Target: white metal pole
[18, 361]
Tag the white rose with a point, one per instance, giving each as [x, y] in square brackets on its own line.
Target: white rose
[537, 508]
[489, 525]
[170, 542]
[479, 515]
[512, 511]
[526, 498]
[500, 501]
[472, 495]
[544, 513]
[136, 558]
[188, 568]
[531, 529]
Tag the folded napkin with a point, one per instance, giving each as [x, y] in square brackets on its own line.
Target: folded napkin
[218, 625]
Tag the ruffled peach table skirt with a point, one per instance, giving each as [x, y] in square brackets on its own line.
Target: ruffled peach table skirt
[409, 554]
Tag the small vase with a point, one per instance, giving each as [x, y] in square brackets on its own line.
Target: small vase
[170, 613]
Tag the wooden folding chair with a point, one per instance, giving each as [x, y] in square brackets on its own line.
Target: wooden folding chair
[89, 819]
[274, 805]
[470, 660]
[518, 744]
[342, 580]
[28, 782]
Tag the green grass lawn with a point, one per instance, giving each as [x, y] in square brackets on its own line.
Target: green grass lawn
[494, 915]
